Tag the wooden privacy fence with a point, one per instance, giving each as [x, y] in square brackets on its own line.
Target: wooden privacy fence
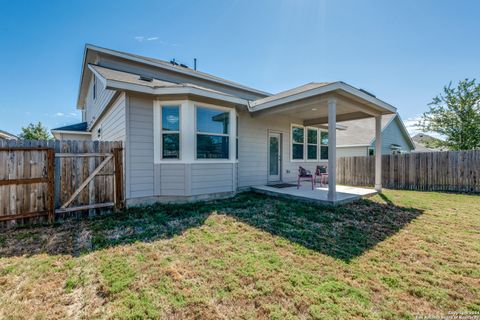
[457, 171]
[39, 178]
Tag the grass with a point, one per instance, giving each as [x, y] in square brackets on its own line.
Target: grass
[397, 255]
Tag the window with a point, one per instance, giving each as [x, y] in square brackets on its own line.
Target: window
[371, 151]
[170, 132]
[323, 145]
[312, 144]
[236, 147]
[298, 140]
[212, 133]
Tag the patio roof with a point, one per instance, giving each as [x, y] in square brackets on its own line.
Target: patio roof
[309, 103]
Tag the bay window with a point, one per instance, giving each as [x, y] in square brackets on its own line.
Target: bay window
[212, 132]
[170, 132]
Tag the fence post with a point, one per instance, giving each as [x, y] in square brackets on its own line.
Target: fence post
[51, 185]
[118, 159]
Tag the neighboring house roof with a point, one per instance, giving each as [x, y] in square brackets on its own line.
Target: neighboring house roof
[361, 132]
[156, 63]
[421, 141]
[122, 80]
[7, 136]
[82, 126]
[77, 128]
[422, 148]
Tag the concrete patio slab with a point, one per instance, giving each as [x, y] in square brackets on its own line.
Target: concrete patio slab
[345, 194]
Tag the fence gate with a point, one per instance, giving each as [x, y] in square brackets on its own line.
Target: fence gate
[102, 188]
[26, 183]
[44, 178]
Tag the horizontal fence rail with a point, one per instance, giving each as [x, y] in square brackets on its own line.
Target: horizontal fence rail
[43, 177]
[457, 171]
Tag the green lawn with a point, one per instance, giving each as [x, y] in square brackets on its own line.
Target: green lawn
[397, 255]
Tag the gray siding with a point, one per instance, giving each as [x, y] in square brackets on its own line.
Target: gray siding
[131, 66]
[170, 179]
[352, 152]
[113, 122]
[392, 134]
[140, 171]
[252, 164]
[95, 107]
[212, 178]
[193, 179]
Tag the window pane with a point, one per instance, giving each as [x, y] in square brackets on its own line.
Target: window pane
[312, 136]
[323, 152]
[297, 151]
[212, 147]
[273, 154]
[311, 152]
[297, 134]
[170, 146]
[212, 121]
[324, 137]
[170, 118]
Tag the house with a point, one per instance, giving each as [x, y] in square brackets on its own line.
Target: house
[76, 131]
[422, 141]
[358, 137]
[7, 136]
[189, 135]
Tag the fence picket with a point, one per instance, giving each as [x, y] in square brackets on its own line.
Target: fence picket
[435, 171]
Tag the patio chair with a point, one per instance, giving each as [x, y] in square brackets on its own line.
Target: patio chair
[321, 172]
[304, 175]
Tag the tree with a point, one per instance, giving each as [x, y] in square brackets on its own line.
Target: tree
[35, 132]
[455, 115]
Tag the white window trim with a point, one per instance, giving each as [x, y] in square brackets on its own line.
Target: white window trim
[188, 134]
[305, 143]
[320, 145]
[158, 131]
[162, 132]
[231, 132]
[293, 125]
[311, 144]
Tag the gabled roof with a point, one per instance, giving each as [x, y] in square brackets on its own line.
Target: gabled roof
[122, 80]
[8, 136]
[361, 132]
[88, 58]
[320, 88]
[290, 92]
[81, 127]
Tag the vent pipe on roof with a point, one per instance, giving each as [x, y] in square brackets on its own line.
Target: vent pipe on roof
[195, 64]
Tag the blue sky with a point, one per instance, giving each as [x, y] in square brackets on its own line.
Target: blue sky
[402, 51]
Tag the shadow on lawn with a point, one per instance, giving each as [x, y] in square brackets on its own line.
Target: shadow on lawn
[342, 232]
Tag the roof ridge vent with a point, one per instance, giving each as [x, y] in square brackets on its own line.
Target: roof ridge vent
[145, 78]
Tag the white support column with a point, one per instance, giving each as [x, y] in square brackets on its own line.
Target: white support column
[332, 149]
[378, 153]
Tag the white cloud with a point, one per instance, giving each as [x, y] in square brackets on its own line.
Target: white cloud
[145, 38]
[412, 125]
[28, 113]
[63, 115]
